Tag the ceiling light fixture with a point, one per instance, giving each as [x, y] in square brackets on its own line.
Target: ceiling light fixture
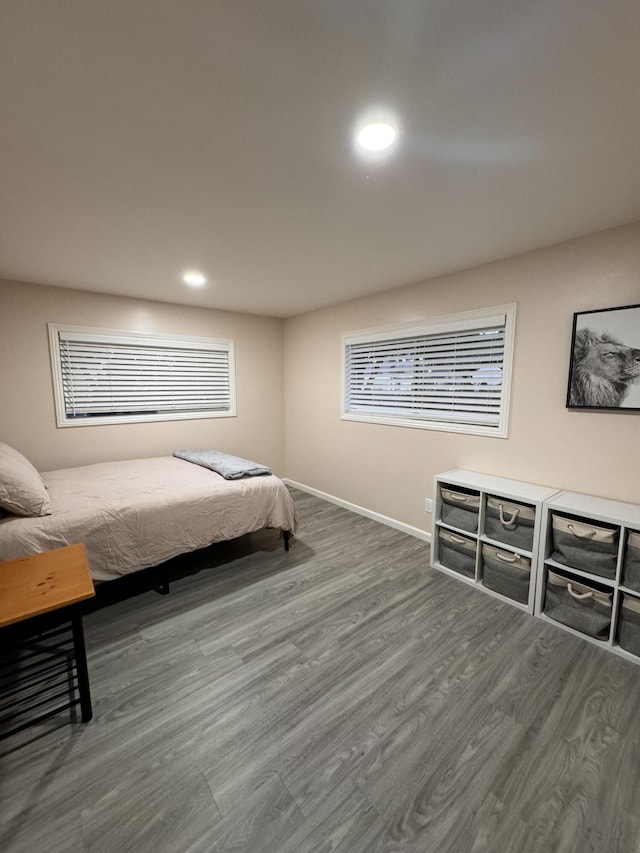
[376, 136]
[194, 278]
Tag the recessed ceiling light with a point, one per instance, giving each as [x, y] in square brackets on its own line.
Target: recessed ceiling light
[376, 136]
[194, 278]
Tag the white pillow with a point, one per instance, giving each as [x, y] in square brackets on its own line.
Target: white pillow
[22, 489]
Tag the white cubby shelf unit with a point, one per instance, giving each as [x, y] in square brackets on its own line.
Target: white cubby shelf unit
[501, 564]
[589, 514]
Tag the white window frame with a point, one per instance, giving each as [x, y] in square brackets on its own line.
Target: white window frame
[466, 320]
[116, 336]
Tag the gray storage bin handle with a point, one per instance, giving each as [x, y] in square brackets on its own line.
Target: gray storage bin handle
[506, 521]
[589, 535]
[456, 496]
[577, 595]
[459, 539]
[513, 559]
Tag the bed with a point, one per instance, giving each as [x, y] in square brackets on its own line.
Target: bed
[137, 514]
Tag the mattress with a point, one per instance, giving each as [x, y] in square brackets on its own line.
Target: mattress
[135, 514]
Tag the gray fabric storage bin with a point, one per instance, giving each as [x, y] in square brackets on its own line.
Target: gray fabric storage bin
[585, 546]
[457, 553]
[460, 508]
[629, 625]
[579, 605]
[631, 566]
[506, 573]
[509, 522]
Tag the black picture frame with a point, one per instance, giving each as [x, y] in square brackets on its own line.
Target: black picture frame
[604, 368]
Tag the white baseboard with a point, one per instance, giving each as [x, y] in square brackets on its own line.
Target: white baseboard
[361, 510]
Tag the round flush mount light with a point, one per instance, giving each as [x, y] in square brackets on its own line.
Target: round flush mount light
[376, 136]
[194, 278]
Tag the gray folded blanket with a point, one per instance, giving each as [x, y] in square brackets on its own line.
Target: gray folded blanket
[229, 467]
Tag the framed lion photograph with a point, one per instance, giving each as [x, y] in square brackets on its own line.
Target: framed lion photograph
[605, 359]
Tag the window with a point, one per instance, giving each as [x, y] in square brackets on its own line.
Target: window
[104, 377]
[451, 374]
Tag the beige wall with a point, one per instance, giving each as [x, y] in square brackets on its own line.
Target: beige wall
[386, 469]
[27, 416]
[390, 469]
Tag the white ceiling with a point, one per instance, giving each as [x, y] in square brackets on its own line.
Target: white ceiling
[141, 137]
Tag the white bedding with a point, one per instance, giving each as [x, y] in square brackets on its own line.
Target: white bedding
[131, 515]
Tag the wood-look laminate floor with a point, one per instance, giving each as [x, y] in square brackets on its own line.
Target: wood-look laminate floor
[340, 697]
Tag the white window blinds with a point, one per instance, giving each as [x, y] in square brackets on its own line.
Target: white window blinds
[452, 375]
[104, 377]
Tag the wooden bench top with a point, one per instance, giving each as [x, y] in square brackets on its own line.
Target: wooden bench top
[39, 583]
